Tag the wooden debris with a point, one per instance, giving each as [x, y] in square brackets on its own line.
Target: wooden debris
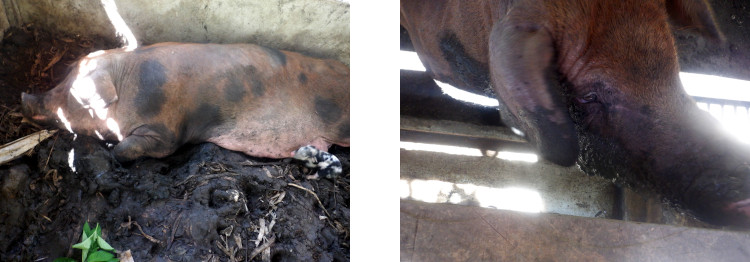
[56, 58]
[147, 236]
[261, 248]
[125, 256]
[17, 148]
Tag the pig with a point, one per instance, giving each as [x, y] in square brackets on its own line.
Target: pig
[252, 99]
[593, 79]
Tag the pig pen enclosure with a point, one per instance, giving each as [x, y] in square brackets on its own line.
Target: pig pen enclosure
[202, 202]
[472, 189]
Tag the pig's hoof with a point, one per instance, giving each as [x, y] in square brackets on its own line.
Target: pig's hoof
[328, 164]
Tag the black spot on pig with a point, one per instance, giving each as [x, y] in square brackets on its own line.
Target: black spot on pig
[344, 130]
[276, 55]
[235, 88]
[327, 110]
[150, 98]
[197, 122]
[258, 89]
[468, 69]
[302, 78]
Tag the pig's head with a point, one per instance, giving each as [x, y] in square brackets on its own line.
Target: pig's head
[78, 104]
[623, 105]
[35, 110]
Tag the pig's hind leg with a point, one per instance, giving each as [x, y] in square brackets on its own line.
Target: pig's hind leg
[147, 140]
[328, 164]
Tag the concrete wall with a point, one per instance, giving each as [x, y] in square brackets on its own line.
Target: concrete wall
[315, 27]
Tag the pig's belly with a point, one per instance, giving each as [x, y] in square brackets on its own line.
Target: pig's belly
[277, 139]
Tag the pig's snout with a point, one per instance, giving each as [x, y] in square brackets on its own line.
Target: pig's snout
[738, 213]
[32, 107]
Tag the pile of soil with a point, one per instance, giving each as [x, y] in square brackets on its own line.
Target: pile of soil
[201, 203]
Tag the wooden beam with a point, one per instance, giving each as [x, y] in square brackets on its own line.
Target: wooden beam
[421, 97]
[456, 128]
[445, 232]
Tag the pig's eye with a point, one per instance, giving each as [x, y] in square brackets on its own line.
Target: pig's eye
[587, 98]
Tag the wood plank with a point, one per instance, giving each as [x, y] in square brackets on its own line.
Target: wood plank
[449, 127]
[421, 97]
[445, 232]
[564, 190]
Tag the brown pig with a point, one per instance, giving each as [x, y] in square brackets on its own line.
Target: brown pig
[257, 100]
[593, 81]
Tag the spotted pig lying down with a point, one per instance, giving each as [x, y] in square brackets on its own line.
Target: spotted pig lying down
[242, 97]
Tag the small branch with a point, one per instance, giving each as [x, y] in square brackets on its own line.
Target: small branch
[174, 228]
[150, 238]
[259, 249]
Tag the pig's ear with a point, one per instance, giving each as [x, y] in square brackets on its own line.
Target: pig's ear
[524, 75]
[694, 14]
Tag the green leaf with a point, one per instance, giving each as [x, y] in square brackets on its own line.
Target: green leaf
[103, 244]
[95, 233]
[86, 229]
[100, 255]
[86, 232]
[92, 251]
[84, 236]
[94, 245]
[85, 244]
[98, 230]
[114, 260]
[64, 259]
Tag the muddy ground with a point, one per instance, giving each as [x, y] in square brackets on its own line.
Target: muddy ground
[201, 203]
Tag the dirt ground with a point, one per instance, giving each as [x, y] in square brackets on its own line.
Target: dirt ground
[201, 203]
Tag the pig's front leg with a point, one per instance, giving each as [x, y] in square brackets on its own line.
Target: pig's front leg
[147, 140]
